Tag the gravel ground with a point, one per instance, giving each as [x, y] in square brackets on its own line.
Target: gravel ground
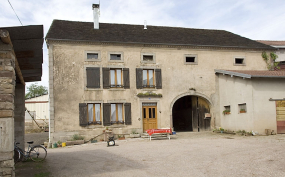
[186, 154]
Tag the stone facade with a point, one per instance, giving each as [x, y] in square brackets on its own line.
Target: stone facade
[68, 63]
[7, 95]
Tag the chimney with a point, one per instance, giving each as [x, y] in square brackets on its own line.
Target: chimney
[96, 12]
[145, 25]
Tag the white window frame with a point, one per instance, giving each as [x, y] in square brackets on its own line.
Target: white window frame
[95, 51]
[191, 63]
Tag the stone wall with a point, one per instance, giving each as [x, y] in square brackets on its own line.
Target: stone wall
[7, 95]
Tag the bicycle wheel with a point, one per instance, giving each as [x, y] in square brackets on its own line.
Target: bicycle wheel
[18, 155]
[38, 153]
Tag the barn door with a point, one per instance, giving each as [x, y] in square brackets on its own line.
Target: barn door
[200, 107]
[280, 116]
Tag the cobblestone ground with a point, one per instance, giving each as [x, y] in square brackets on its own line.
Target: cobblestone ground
[186, 154]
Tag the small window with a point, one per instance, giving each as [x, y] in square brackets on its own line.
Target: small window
[239, 61]
[94, 114]
[227, 110]
[92, 56]
[117, 113]
[148, 78]
[115, 56]
[191, 59]
[147, 57]
[242, 108]
[116, 78]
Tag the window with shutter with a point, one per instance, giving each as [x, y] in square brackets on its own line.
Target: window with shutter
[93, 77]
[94, 113]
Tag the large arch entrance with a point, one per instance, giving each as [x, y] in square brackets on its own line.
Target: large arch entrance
[189, 113]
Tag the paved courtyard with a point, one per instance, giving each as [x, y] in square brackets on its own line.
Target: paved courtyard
[186, 154]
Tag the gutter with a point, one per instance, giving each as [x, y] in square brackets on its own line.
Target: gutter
[248, 76]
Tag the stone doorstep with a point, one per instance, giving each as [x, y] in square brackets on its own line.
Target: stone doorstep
[76, 142]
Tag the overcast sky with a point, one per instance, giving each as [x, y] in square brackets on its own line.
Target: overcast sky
[254, 19]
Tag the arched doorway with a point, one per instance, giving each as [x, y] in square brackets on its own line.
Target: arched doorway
[189, 113]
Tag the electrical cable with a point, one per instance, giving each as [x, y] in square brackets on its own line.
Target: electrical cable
[15, 12]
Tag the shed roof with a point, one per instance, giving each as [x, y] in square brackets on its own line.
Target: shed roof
[125, 33]
[253, 73]
[28, 46]
[272, 43]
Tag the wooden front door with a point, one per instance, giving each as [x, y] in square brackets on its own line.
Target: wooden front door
[149, 117]
[280, 113]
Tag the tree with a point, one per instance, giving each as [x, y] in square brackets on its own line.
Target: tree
[35, 90]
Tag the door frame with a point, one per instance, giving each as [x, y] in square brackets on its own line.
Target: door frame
[158, 110]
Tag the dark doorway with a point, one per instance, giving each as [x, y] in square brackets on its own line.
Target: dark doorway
[188, 114]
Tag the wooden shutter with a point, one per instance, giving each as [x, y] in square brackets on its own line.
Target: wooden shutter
[139, 78]
[128, 114]
[83, 114]
[106, 114]
[93, 77]
[106, 76]
[126, 78]
[158, 78]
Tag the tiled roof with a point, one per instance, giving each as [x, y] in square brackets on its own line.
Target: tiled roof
[274, 43]
[123, 33]
[253, 73]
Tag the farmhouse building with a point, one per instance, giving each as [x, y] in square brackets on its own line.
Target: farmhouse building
[137, 77]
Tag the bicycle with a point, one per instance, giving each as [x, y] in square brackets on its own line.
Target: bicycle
[36, 153]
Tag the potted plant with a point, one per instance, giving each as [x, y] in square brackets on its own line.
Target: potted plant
[242, 111]
[59, 143]
[121, 137]
[226, 112]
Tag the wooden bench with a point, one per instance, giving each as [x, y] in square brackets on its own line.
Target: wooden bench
[153, 133]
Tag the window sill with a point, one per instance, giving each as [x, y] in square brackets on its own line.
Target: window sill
[194, 63]
[97, 89]
[116, 89]
[239, 64]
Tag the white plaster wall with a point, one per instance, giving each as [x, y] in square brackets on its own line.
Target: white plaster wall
[68, 62]
[261, 113]
[234, 91]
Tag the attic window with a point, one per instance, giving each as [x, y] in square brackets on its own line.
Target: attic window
[92, 55]
[115, 56]
[191, 59]
[147, 57]
[239, 61]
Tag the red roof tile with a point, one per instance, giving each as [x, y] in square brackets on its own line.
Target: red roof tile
[274, 43]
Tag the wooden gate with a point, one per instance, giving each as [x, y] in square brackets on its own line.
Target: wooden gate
[199, 108]
[280, 116]
[149, 112]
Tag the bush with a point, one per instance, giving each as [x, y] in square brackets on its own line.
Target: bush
[77, 137]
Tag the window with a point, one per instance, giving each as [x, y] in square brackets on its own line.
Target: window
[242, 108]
[239, 61]
[92, 56]
[191, 59]
[94, 114]
[93, 77]
[148, 78]
[148, 58]
[227, 110]
[116, 78]
[115, 56]
[117, 114]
